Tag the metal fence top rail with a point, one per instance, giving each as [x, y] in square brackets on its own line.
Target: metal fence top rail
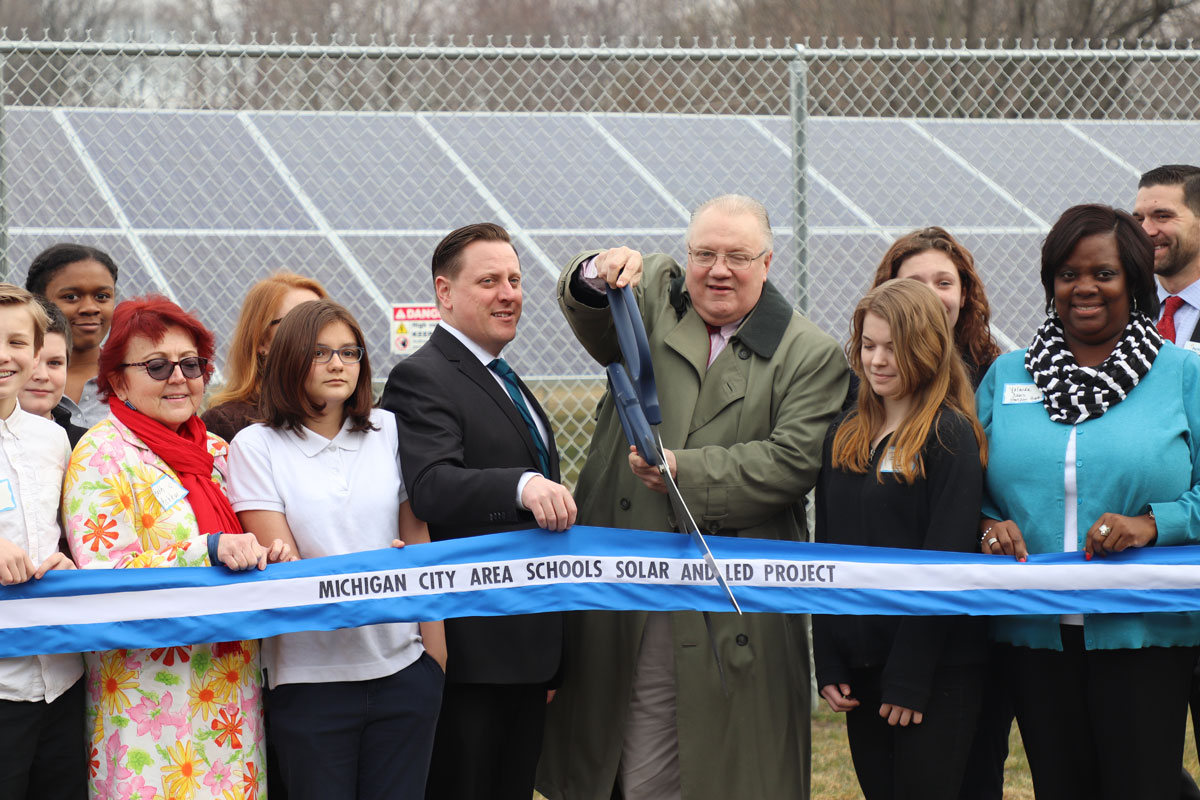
[509, 47]
[1070, 50]
[649, 48]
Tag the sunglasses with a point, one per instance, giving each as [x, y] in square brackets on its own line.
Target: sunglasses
[160, 369]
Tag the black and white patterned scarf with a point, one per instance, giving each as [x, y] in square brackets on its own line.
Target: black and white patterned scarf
[1072, 393]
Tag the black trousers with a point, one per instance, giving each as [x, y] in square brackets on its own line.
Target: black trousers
[1102, 723]
[42, 751]
[489, 737]
[984, 777]
[916, 762]
[357, 740]
[1190, 791]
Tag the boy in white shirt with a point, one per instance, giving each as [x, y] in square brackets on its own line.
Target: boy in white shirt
[41, 697]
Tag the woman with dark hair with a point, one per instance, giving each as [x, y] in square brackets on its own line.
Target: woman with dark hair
[1094, 433]
[903, 468]
[82, 282]
[265, 306]
[934, 257]
[353, 711]
[144, 488]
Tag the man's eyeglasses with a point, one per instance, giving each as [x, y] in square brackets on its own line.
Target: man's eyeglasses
[160, 369]
[347, 355]
[737, 261]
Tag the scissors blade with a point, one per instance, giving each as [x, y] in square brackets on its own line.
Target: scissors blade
[687, 520]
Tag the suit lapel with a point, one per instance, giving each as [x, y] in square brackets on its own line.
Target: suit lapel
[481, 376]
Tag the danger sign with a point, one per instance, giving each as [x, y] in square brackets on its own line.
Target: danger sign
[412, 324]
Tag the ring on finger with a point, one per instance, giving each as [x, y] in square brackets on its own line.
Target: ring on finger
[992, 541]
[1104, 530]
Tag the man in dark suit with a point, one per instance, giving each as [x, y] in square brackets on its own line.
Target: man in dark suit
[1168, 207]
[478, 456]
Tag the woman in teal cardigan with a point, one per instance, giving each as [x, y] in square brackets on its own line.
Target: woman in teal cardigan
[1094, 435]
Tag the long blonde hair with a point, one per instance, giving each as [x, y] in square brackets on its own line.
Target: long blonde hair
[929, 368]
[244, 367]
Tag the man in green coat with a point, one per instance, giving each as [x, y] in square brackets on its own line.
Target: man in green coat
[747, 388]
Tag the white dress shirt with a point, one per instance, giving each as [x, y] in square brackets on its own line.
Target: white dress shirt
[1188, 314]
[33, 459]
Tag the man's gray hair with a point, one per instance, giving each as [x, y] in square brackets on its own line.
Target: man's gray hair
[736, 204]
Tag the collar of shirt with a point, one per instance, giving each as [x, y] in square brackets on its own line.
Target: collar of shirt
[1189, 295]
[484, 356]
[719, 338]
[16, 423]
[312, 443]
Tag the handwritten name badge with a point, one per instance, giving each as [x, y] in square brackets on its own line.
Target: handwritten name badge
[1021, 393]
[168, 491]
[7, 500]
[885, 463]
[1192, 346]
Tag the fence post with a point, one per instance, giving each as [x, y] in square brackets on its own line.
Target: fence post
[3, 172]
[798, 70]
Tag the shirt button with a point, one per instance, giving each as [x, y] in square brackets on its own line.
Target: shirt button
[1079, 463]
[624, 504]
[743, 354]
[742, 640]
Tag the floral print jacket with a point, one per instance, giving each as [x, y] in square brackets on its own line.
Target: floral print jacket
[171, 722]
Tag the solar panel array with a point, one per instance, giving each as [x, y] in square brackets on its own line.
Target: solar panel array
[201, 204]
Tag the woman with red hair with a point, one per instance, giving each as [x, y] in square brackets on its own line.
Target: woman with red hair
[145, 488]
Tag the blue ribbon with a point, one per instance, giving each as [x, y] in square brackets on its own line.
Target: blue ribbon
[585, 568]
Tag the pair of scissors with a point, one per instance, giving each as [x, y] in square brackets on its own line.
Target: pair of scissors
[636, 397]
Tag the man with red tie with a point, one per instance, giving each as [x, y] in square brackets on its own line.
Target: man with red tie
[1168, 206]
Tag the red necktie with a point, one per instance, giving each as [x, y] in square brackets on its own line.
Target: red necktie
[711, 330]
[1166, 325]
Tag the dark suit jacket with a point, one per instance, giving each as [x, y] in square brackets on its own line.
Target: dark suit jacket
[463, 449]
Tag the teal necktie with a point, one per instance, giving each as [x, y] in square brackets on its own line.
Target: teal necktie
[501, 368]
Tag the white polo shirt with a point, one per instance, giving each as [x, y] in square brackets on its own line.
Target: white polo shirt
[33, 458]
[339, 496]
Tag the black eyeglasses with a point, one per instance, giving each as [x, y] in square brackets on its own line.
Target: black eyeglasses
[161, 368]
[348, 355]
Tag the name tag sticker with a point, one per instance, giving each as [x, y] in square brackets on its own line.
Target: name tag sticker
[7, 500]
[1021, 393]
[1193, 346]
[885, 463]
[168, 491]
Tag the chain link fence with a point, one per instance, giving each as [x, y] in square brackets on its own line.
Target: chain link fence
[204, 166]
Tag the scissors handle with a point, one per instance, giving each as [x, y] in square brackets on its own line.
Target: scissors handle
[635, 347]
[637, 431]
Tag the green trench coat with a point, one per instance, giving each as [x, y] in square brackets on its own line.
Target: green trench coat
[747, 435]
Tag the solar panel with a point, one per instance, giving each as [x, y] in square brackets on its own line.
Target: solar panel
[204, 203]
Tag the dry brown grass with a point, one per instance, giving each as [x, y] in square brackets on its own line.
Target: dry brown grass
[833, 774]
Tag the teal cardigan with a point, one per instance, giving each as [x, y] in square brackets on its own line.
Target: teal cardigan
[1143, 453]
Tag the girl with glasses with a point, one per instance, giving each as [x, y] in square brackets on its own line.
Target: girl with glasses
[353, 711]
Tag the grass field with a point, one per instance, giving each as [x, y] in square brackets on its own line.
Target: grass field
[833, 774]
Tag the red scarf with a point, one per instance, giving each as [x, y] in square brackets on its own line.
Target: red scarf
[185, 452]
